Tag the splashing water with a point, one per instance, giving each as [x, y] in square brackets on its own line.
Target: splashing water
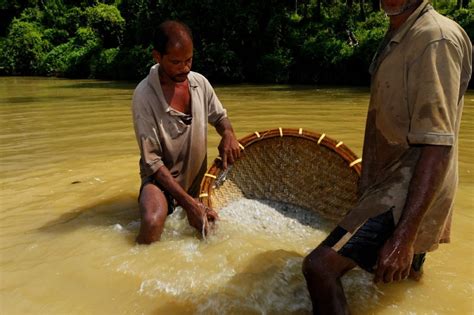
[250, 264]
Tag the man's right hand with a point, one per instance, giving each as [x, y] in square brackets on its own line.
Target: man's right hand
[395, 257]
[200, 217]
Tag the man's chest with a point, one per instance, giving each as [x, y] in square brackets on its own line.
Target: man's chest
[178, 97]
[389, 97]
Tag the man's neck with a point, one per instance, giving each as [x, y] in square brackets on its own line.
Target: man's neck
[176, 93]
[396, 21]
[167, 82]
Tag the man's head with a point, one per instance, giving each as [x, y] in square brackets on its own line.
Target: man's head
[397, 7]
[173, 50]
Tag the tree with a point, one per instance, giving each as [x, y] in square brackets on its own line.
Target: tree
[375, 5]
[24, 48]
[362, 10]
[462, 4]
[107, 22]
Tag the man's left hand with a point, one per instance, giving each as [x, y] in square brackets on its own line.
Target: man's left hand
[229, 149]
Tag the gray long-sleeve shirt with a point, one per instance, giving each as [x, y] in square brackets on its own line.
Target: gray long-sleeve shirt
[163, 137]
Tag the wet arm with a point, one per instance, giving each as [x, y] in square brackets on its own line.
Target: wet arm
[229, 148]
[429, 175]
[397, 253]
[195, 210]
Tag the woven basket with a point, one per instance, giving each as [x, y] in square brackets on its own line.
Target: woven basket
[303, 168]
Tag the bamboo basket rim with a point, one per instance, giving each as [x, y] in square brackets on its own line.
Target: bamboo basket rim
[338, 147]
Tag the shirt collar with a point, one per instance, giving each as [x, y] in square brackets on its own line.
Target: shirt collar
[192, 80]
[386, 45]
[154, 81]
[406, 26]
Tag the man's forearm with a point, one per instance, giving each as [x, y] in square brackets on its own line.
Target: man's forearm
[224, 126]
[198, 214]
[165, 179]
[229, 147]
[428, 176]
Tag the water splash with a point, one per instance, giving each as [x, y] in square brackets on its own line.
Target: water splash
[251, 264]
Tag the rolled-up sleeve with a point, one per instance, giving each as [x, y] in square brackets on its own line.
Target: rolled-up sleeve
[434, 84]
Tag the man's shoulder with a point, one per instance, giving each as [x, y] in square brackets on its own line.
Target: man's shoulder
[143, 84]
[143, 98]
[433, 26]
[142, 90]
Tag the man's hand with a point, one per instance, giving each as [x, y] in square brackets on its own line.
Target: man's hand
[395, 259]
[200, 217]
[229, 148]
[396, 255]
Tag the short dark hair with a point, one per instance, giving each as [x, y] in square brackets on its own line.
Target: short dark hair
[167, 30]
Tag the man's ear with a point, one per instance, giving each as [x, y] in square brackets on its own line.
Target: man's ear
[156, 56]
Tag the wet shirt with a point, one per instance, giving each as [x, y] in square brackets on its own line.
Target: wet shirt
[171, 138]
[419, 76]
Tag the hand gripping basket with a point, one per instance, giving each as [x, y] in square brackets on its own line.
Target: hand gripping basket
[300, 167]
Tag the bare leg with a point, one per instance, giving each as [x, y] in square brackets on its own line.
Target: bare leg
[416, 270]
[323, 269]
[415, 275]
[153, 212]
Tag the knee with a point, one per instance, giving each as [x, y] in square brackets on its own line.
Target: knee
[317, 265]
[151, 226]
[311, 264]
[152, 218]
[153, 205]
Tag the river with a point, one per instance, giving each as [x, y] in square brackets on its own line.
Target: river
[68, 212]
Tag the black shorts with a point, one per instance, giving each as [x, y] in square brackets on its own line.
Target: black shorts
[170, 199]
[364, 245]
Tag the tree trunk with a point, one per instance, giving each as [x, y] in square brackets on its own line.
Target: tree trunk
[318, 10]
[362, 10]
[349, 3]
[459, 4]
[375, 5]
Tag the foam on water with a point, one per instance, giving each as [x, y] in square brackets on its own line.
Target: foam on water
[251, 263]
[276, 220]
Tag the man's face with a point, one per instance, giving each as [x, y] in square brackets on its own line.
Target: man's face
[177, 61]
[397, 7]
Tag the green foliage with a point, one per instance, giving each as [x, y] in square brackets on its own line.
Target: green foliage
[219, 62]
[72, 19]
[24, 48]
[33, 15]
[328, 49]
[369, 34]
[56, 62]
[275, 67]
[6, 60]
[465, 18]
[73, 59]
[104, 64]
[56, 36]
[295, 17]
[10, 9]
[107, 22]
[133, 63]
[53, 11]
[273, 41]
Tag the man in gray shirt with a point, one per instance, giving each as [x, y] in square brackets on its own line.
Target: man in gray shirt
[410, 164]
[171, 109]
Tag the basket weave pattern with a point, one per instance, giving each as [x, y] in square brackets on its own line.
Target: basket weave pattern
[292, 168]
